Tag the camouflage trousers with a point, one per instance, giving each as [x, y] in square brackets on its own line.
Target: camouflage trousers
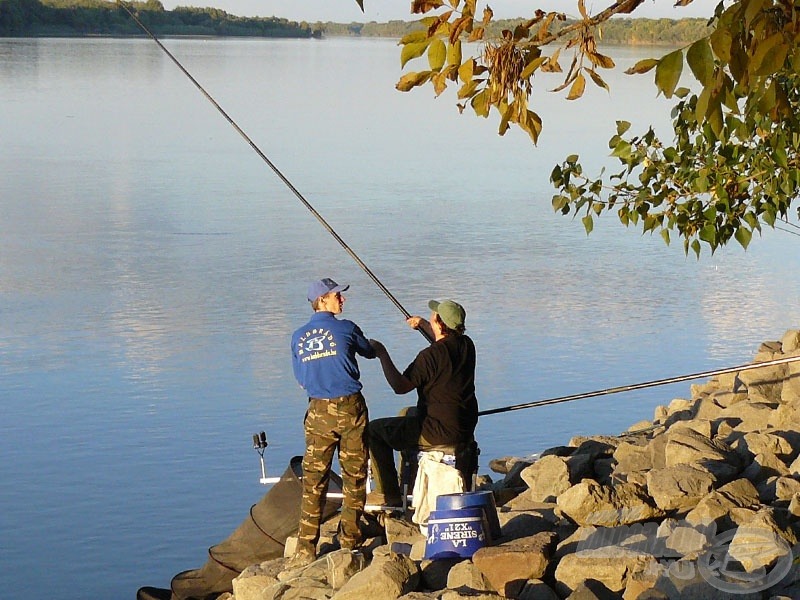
[330, 424]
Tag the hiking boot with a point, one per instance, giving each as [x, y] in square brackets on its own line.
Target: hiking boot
[300, 559]
[380, 500]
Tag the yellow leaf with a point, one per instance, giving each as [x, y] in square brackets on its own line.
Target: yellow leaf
[531, 67]
[415, 36]
[437, 53]
[578, 87]
[454, 53]
[601, 60]
[598, 81]
[643, 66]
[439, 83]
[465, 70]
[412, 51]
[412, 80]
[480, 104]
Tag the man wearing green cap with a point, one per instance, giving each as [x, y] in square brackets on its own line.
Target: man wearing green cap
[447, 410]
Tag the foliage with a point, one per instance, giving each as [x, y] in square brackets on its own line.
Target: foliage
[98, 17]
[734, 163]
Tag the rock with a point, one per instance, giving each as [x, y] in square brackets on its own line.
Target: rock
[590, 503]
[385, 579]
[401, 531]
[508, 566]
[719, 505]
[465, 576]
[632, 457]
[536, 589]
[611, 565]
[456, 595]
[546, 478]
[764, 466]
[761, 542]
[250, 583]
[764, 384]
[297, 588]
[591, 589]
[778, 443]
[679, 487]
[686, 446]
[536, 518]
[434, 573]
[755, 416]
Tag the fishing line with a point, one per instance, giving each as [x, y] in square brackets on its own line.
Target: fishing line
[639, 386]
[275, 169]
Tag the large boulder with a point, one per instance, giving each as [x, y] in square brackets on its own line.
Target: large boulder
[508, 566]
[679, 487]
[589, 503]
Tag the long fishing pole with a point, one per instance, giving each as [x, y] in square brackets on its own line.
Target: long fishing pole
[639, 386]
[275, 169]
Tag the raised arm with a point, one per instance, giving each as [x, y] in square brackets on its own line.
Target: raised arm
[416, 322]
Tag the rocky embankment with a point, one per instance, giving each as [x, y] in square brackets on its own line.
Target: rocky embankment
[701, 503]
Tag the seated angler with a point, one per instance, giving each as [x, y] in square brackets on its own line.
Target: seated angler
[447, 410]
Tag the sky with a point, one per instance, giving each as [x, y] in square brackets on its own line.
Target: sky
[346, 11]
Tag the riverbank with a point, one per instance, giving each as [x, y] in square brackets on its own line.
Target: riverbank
[701, 502]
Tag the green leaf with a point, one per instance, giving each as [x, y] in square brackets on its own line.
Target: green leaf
[588, 223]
[437, 54]
[622, 127]
[743, 236]
[701, 61]
[559, 202]
[668, 72]
[412, 51]
[665, 236]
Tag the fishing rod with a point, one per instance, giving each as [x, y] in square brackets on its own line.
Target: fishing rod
[639, 386]
[275, 169]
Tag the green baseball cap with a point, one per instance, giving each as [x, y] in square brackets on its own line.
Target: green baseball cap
[451, 313]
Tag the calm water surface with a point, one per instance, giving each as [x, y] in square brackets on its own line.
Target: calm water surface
[152, 269]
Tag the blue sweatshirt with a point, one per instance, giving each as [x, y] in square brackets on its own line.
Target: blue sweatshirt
[324, 356]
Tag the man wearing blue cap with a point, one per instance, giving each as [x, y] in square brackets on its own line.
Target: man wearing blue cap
[324, 361]
[447, 410]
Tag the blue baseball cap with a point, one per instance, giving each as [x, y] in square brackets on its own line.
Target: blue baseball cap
[324, 286]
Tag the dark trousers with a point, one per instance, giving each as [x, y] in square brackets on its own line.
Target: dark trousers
[385, 436]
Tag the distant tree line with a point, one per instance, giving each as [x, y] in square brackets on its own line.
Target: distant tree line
[615, 31]
[100, 17]
[97, 17]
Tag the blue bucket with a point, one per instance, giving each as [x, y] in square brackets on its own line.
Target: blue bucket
[455, 533]
[483, 499]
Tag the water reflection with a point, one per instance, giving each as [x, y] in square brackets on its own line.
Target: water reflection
[152, 270]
